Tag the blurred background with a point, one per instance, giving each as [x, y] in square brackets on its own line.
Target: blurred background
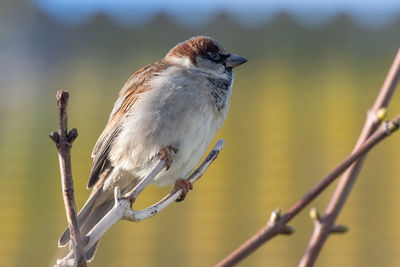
[297, 108]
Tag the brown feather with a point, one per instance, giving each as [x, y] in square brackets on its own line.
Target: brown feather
[137, 84]
[196, 46]
[130, 92]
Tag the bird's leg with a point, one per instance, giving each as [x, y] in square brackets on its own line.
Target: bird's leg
[185, 186]
[166, 153]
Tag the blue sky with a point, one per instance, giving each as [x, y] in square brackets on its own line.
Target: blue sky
[194, 12]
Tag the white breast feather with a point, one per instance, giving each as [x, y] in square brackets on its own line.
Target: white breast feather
[177, 111]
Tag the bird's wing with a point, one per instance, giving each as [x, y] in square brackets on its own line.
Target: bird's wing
[138, 83]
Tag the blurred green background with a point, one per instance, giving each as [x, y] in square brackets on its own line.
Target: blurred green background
[297, 108]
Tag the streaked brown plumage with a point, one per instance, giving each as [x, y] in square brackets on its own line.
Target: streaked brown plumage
[179, 101]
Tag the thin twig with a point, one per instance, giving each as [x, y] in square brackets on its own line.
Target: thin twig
[123, 205]
[63, 141]
[278, 223]
[374, 117]
[137, 216]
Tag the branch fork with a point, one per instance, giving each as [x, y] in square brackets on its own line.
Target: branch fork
[370, 136]
[63, 141]
[375, 117]
[122, 209]
[317, 221]
[274, 220]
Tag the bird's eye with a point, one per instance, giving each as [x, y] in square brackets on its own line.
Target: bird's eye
[214, 56]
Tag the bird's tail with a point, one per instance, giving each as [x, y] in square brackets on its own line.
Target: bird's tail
[100, 202]
[89, 216]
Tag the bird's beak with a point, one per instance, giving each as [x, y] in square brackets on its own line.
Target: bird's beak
[234, 61]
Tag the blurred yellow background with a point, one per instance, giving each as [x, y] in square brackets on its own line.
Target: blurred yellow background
[297, 108]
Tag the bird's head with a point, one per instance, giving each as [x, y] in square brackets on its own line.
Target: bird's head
[204, 53]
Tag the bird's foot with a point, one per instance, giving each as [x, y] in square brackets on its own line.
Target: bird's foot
[185, 186]
[166, 153]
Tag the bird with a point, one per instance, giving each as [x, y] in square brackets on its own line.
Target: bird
[171, 109]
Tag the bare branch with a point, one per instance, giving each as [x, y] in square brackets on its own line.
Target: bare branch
[63, 141]
[278, 224]
[137, 216]
[123, 205]
[374, 118]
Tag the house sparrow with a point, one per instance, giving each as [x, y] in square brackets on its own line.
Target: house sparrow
[171, 109]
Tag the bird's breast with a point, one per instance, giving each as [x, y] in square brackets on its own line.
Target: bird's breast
[177, 112]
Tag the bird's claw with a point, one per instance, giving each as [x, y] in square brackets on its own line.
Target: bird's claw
[166, 154]
[185, 186]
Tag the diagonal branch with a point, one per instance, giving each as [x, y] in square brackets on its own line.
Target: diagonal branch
[374, 118]
[278, 224]
[63, 141]
[123, 205]
[137, 216]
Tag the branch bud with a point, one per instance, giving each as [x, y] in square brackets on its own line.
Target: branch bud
[339, 229]
[55, 137]
[314, 214]
[72, 135]
[391, 126]
[62, 97]
[381, 113]
[275, 217]
[288, 230]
